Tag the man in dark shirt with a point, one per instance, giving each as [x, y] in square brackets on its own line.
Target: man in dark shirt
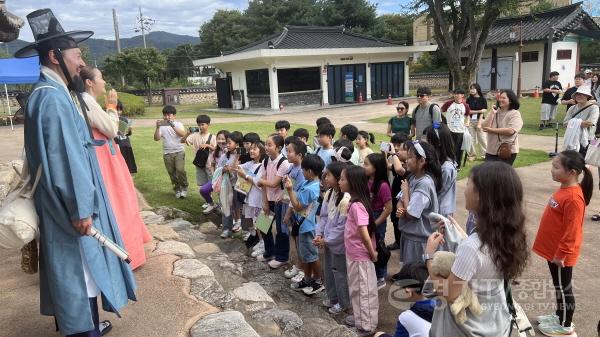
[567, 98]
[551, 91]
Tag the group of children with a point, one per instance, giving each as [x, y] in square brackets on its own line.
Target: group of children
[333, 199]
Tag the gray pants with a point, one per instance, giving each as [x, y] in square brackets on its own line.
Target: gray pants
[336, 279]
[175, 164]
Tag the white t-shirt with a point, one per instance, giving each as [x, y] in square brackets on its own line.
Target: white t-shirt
[476, 266]
[455, 115]
[171, 140]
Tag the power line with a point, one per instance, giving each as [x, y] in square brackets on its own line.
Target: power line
[143, 25]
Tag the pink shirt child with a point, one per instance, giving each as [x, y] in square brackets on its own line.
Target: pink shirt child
[355, 249]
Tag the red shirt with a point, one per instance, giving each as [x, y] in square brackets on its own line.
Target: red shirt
[561, 228]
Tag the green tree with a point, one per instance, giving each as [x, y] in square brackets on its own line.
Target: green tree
[395, 27]
[590, 51]
[138, 65]
[359, 14]
[267, 17]
[180, 62]
[541, 6]
[227, 30]
[460, 23]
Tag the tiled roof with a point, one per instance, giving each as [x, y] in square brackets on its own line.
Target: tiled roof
[312, 37]
[539, 26]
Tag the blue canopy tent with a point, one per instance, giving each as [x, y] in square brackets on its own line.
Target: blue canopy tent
[18, 71]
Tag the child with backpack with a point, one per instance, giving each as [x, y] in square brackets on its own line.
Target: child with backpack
[330, 237]
[203, 142]
[418, 198]
[304, 202]
[296, 150]
[381, 201]
[274, 168]
[253, 202]
[212, 163]
[359, 242]
[441, 138]
[227, 194]
[560, 236]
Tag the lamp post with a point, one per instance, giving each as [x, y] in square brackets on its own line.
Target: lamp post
[513, 31]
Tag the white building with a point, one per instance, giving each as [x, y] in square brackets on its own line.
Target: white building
[551, 42]
[312, 65]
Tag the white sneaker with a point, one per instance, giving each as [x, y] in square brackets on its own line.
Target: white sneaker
[298, 277]
[225, 234]
[259, 246]
[336, 309]
[209, 209]
[258, 252]
[204, 205]
[545, 319]
[178, 194]
[237, 226]
[183, 194]
[291, 272]
[246, 236]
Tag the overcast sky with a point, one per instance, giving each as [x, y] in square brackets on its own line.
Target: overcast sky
[175, 16]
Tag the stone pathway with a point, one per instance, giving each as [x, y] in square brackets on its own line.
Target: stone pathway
[252, 299]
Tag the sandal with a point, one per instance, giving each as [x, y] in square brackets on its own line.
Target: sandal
[105, 327]
[596, 217]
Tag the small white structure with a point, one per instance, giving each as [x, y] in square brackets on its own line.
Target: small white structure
[312, 65]
[550, 43]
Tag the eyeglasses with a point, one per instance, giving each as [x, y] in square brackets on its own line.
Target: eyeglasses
[422, 95]
[400, 108]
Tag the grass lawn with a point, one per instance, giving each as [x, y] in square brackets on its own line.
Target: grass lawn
[186, 111]
[152, 179]
[530, 112]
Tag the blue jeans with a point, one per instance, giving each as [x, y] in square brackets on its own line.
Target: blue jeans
[380, 236]
[278, 247]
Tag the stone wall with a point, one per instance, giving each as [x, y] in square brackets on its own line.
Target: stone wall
[259, 101]
[309, 97]
[186, 95]
[431, 80]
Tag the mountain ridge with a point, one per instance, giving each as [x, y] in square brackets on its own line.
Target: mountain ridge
[100, 48]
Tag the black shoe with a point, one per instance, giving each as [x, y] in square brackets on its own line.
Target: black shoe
[393, 246]
[542, 127]
[105, 327]
[252, 241]
[395, 277]
[299, 286]
[315, 287]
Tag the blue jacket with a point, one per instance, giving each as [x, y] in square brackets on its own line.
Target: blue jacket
[70, 188]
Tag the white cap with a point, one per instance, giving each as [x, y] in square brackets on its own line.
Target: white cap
[588, 71]
[585, 90]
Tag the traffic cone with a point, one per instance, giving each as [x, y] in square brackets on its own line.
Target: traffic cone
[389, 101]
[536, 93]
[360, 98]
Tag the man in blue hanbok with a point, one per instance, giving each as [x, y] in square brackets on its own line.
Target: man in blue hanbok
[70, 198]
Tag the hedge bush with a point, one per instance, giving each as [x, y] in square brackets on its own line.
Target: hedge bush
[133, 105]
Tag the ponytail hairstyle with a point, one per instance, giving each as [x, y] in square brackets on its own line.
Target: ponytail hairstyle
[359, 191]
[441, 140]
[261, 149]
[378, 161]
[368, 136]
[572, 160]
[335, 169]
[278, 140]
[217, 151]
[432, 164]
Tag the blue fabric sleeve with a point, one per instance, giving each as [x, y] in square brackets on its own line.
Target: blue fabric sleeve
[307, 194]
[401, 331]
[67, 164]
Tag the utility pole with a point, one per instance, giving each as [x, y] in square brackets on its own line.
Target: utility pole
[118, 40]
[145, 24]
[520, 58]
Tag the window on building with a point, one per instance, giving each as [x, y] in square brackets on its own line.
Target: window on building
[298, 79]
[530, 56]
[563, 54]
[257, 82]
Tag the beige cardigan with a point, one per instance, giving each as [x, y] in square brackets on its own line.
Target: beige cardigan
[106, 122]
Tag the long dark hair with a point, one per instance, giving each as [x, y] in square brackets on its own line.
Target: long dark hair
[500, 217]
[359, 191]
[335, 169]
[432, 164]
[572, 160]
[442, 142]
[477, 87]
[513, 99]
[380, 176]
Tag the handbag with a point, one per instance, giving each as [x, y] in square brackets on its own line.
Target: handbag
[19, 222]
[383, 254]
[592, 157]
[505, 149]
[201, 156]
[518, 319]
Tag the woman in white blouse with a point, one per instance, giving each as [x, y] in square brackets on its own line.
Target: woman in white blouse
[496, 249]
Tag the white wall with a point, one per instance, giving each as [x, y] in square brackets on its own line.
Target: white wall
[566, 68]
[238, 68]
[531, 72]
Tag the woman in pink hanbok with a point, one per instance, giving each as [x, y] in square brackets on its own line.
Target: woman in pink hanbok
[118, 182]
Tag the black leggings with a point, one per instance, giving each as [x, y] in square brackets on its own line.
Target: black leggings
[565, 301]
[457, 139]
